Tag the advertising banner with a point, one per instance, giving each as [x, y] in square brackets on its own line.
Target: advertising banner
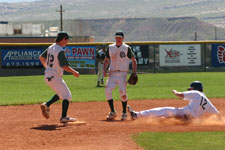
[141, 53]
[180, 55]
[19, 58]
[218, 55]
[82, 57]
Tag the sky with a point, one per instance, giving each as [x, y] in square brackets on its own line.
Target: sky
[14, 1]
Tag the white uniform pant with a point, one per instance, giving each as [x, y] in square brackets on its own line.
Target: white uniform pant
[59, 86]
[100, 71]
[120, 79]
[165, 112]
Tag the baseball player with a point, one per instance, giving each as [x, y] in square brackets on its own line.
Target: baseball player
[55, 62]
[118, 55]
[100, 59]
[198, 106]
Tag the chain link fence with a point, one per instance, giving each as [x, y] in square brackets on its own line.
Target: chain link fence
[152, 57]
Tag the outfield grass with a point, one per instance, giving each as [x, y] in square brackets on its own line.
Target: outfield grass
[32, 89]
[181, 140]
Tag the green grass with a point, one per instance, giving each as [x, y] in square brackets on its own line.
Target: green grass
[32, 89]
[181, 140]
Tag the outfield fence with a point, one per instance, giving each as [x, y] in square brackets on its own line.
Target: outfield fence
[152, 57]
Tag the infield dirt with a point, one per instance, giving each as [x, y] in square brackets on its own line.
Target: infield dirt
[24, 127]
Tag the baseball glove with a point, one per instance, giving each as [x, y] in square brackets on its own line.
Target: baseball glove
[132, 79]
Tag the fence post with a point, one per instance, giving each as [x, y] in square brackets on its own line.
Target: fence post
[205, 56]
[154, 58]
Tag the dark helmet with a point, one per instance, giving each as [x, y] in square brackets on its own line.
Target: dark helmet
[196, 85]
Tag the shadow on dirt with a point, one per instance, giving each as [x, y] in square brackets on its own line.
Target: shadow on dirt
[48, 127]
[116, 120]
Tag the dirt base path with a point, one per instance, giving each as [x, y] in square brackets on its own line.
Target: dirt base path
[24, 128]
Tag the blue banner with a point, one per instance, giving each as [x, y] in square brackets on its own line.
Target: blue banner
[218, 55]
[82, 57]
[21, 57]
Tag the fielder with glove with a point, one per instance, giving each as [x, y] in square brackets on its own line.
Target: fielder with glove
[118, 56]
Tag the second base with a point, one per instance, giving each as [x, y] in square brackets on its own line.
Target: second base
[76, 123]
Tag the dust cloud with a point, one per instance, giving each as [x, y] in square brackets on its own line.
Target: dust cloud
[206, 120]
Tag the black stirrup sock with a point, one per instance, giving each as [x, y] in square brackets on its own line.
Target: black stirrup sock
[65, 106]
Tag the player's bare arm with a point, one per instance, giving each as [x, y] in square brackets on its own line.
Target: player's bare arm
[178, 94]
[43, 61]
[106, 63]
[65, 64]
[71, 70]
[43, 58]
[134, 64]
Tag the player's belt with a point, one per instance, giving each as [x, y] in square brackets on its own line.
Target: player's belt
[117, 71]
[50, 78]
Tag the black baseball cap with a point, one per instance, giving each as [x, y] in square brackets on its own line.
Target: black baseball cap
[119, 33]
[62, 35]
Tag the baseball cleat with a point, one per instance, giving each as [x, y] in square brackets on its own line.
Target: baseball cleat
[67, 119]
[111, 116]
[132, 113]
[123, 116]
[45, 110]
[102, 81]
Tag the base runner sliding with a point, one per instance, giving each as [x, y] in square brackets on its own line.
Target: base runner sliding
[198, 106]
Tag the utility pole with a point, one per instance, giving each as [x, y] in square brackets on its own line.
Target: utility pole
[61, 17]
[196, 36]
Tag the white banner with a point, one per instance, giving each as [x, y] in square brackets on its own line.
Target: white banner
[180, 55]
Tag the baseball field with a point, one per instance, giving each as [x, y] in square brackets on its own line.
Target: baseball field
[23, 126]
